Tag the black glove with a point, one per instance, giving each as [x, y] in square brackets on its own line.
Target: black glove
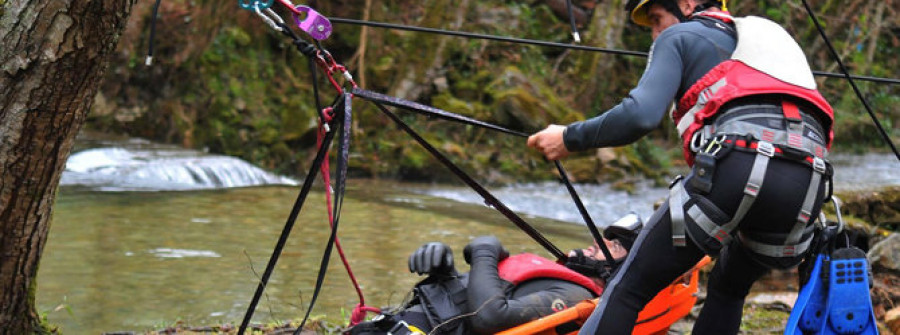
[432, 258]
[488, 244]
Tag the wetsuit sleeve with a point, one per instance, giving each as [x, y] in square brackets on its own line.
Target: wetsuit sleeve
[642, 110]
[488, 294]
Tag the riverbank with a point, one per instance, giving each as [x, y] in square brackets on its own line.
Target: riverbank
[766, 311]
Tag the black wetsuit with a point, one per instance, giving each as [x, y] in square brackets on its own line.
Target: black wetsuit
[500, 305]
[679, 57]
[493, 304]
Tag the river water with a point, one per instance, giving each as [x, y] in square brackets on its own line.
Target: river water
[144, 236]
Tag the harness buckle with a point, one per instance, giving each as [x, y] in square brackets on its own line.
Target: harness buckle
[765, 148]
[819, 165]
[804, 216]
[751, 189]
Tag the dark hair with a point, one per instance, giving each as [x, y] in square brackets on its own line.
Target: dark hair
[706, 4]
[672, 7]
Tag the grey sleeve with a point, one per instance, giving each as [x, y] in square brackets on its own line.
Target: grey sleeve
[642, 110]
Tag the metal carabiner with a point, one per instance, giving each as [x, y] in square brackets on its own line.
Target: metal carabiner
[714, 145]
[270, 17]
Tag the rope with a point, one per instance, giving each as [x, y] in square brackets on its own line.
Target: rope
[324, 60]
[489, 198]
[326, 179]
[557, 45]
[575, 36]
[846, 73]
[288, 226]
[149, 60]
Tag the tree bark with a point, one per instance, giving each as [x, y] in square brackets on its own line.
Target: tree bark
[53, 54]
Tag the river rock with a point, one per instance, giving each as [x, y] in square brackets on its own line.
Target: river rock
[886, 254]
[878, 207]
[783, 301]
[892, 319]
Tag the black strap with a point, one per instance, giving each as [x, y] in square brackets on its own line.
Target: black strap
[429, 111]
[575, 34]
[488, 197]
[378, 99]
[152, 32]
[343, 121]
[288, 226]
[584, 213]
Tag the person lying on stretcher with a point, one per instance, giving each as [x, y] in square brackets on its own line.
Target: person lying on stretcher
[499, 291]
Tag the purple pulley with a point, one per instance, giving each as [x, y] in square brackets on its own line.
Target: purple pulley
[314, 24]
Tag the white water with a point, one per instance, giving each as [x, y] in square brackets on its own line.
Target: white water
[605, 204]
[156, 168]
[139, 165]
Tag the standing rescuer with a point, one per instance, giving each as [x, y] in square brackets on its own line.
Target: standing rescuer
[755, 131]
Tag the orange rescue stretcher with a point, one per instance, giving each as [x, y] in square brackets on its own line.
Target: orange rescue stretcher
[669, 305]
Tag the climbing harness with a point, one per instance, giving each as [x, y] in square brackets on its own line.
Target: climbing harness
[834, 297]
[774, 113]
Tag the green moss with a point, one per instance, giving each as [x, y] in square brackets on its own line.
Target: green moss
[759, 320]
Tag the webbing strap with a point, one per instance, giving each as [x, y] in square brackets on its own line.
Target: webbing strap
[429, 111]
[779, 137]
[803, 217]
[765, 151]
[487, 196]
[677, 198]
[343, 104]
[773, 250]
[794, 124]
[288, 226]
[595, 233]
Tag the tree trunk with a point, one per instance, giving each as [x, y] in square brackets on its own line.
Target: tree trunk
[52, 57]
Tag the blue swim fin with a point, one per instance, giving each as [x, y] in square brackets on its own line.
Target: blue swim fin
[835, 300]
[849, 305]
[808, 314]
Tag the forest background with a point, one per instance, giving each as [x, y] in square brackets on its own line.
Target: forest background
[224, 82]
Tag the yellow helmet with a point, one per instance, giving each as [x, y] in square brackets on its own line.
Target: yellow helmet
[638, 9]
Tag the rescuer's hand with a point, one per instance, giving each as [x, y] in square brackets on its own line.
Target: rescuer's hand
[550, 142]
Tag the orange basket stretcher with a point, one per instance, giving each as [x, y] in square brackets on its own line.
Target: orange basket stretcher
[668, 306]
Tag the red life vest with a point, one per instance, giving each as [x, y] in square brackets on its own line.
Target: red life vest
[525, 266]
[734, 79]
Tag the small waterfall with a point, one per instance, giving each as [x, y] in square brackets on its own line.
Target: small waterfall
[162, 169]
